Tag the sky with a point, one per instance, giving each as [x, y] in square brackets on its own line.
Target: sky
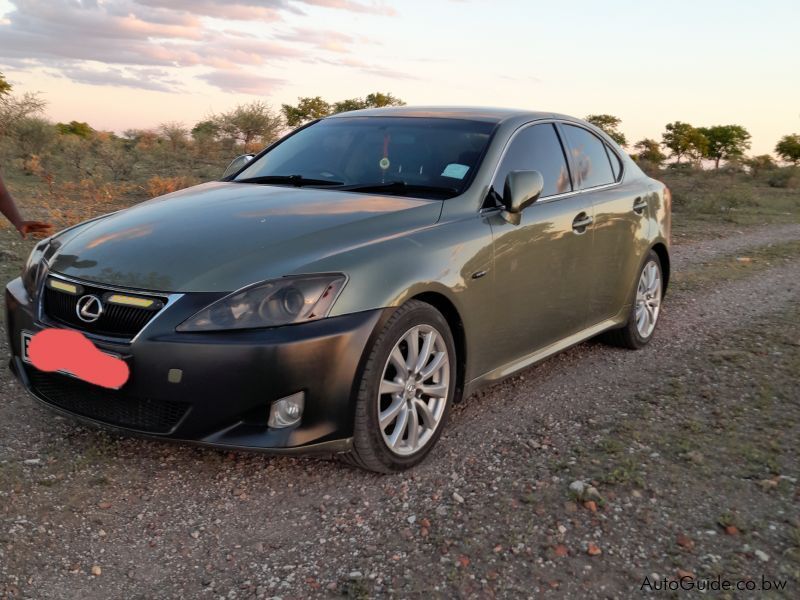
[122, 64]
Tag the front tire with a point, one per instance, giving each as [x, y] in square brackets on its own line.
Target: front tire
[405, 392]
[645, 309]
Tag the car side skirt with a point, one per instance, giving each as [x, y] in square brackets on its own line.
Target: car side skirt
[509, 369]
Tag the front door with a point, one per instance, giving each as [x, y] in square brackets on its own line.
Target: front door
[542, 267]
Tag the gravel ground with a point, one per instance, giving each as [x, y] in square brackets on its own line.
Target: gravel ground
[688, 255]
[584, 475]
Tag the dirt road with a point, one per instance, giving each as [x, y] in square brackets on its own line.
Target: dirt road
[691, 446]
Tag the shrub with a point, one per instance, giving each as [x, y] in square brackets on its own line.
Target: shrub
[650, 168]
[786, 177]
[33, 135]
[32, 165]
[684, 168]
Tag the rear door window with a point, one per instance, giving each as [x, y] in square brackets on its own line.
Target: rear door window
[589, 158]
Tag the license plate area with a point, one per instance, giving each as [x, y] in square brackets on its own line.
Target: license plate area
[26, 340]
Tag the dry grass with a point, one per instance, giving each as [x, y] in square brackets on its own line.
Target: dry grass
[702, 200]
[158, 186]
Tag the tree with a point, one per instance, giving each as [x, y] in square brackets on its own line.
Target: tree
[76, 151]
[205, 134]
[33, 135]
[78, 128]
[250, 123]
[788, 148]
[15, 108]
[681, 139]
[378, 99]
[307, 109]
[762, 162]
[375, 100]
[5, 87]
[349, 105]
[176, 133]
[205, 131]
[114, 154]
[144, 140]
[725, 142]
[650, 151]
[610, 124]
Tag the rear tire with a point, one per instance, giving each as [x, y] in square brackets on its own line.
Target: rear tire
[409, 390]
[645, 308]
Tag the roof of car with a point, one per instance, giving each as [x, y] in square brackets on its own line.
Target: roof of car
[475, 113]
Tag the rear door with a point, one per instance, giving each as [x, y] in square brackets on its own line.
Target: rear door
[620, 222]
[541, 266]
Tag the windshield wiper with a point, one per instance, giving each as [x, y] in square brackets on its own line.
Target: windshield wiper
[400, 187]
[295, 180]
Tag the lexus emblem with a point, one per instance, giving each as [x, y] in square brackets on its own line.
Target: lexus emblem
[89, 308]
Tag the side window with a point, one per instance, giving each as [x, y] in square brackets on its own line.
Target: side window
[616, 164]
[536, 148]
[592, 167]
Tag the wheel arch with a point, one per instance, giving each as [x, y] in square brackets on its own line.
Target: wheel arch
[449, 311]
[660, 248]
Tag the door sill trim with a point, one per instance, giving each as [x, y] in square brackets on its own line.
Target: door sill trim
[509, 369]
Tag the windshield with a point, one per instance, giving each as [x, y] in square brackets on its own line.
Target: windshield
[425, 157]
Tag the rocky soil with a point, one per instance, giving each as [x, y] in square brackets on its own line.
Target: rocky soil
[595, 473]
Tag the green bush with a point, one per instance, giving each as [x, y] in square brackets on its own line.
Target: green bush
[786, 177]
[684, 168]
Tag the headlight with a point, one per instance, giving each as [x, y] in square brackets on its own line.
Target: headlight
[271, 303]
[35, 268]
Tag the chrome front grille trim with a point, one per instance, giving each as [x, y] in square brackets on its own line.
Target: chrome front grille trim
[171, 298]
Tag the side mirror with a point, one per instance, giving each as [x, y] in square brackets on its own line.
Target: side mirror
[522, 188]
[237, 164]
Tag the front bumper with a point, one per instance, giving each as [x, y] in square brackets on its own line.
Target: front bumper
[228, 379]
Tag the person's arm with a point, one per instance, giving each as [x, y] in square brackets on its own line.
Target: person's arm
[9, 208]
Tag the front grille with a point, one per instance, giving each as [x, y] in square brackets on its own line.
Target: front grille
[115, 407]
[116, 320]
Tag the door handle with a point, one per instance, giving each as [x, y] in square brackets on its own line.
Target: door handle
[639, 205]
[581, 222]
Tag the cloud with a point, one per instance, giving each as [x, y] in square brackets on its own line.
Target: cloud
[365, 67]
[145, 79]
[331, 41]
[169, 36]
[250, 10]
[378, 8]
[243, 10]
[242, 82]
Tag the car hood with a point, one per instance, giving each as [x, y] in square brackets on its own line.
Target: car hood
[222, 236]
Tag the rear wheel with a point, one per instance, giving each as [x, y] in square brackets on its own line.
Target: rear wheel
[405, 391]
[645, 310]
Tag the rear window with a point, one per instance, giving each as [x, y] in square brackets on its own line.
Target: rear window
[616, 164]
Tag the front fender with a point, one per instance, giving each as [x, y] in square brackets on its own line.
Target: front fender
[442, 259]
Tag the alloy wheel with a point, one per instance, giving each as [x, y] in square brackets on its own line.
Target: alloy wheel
[648, 299]
[413, 390]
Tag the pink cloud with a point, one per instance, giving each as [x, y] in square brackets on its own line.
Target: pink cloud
[242, 82]
[128, 35]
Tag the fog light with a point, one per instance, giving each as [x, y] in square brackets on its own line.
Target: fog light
[287, 411]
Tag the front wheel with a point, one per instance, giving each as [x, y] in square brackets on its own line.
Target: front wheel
[645, 310]
[406, 390]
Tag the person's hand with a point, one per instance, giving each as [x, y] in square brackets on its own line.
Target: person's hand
[37, 229]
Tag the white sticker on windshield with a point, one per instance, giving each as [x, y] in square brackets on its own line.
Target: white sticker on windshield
[455, 170]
